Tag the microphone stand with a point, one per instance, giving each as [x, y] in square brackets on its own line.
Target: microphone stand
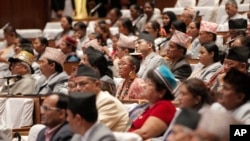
[8, 86]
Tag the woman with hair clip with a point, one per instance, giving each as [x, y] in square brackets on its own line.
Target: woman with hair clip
[131, 87]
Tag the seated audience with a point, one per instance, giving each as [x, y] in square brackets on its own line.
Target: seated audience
[53, 115]
[84, 123]
[160, 111]
[184, 125]
[149, 8]
[176, 52]
[151, 60]
[19, 42]
[231, 9]
[96, 59]
[51, 66]
[5, 53]
[193, 31]
[234, 94]
[39, 45]
[167, 18]
[208, 32]
[80, 30]
[125, 27]
[137, 17]
[218, 130]
[68, 47]
[209, 62]
[237, 57]
[194, 94]
[20, 65]
[131, 86]
[114, 15]
[66, 23]
[111, 112]
[237, 27]
[187, 15]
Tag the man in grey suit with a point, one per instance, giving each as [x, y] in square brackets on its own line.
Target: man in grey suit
[151, 60]
[53, 115]
[84, 121]
[176, 52]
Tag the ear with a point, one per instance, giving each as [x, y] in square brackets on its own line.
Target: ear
[243, 66]
[241, 96]
[197, 99]
[211, 54]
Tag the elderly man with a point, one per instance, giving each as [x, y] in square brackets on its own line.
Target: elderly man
[176, 52]
[207, 32]
[82, 116]
[187, 15]
[231, 10]
[237, 58]
[111, 111]
[20, 65]
[53, 115]
[51, 66]
[237, 27]
[151, 60]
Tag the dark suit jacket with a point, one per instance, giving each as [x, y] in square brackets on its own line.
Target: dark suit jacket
[57, 5]
[63, 133]
[181, 69]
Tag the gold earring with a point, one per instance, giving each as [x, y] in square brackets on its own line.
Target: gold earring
[132, 75]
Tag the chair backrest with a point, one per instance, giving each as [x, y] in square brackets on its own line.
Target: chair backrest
[19, 112]
[34, 131]
[127, 136]
[5, 133]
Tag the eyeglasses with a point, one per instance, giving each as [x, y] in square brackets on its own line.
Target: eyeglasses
[47, 108]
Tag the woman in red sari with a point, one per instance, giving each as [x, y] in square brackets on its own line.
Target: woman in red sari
[160, 111]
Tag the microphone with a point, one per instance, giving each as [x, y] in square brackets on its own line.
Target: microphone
[196, 15]
[12, 76]
[92, 11]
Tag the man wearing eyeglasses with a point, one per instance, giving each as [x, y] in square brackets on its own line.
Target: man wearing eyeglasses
[53, 115]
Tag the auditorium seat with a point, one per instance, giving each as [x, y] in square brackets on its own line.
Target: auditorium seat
[127, 136]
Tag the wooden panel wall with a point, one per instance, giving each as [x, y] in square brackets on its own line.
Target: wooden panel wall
[161, 4]
[25, 13]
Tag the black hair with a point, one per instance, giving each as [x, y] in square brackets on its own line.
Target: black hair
[134, 61]
[212, 47]
[179, 25]
[81, 25]
[150, 3]
[159, 85]
[70, 20]
[58, 67]
[156, 26]
[239, 81]
[117, 12]
[197, 87]
[172, 18]
[126, 22]
[43, 41]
